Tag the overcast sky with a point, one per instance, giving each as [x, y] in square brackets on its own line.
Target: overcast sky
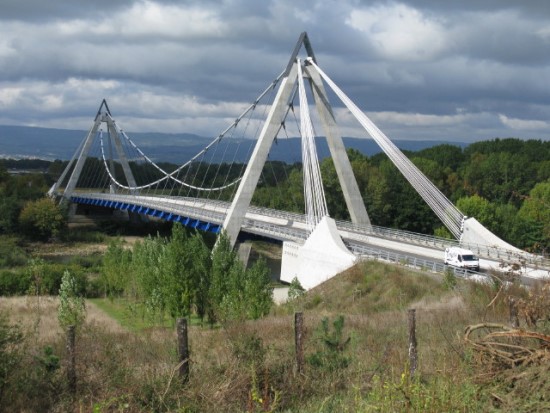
[463, 71]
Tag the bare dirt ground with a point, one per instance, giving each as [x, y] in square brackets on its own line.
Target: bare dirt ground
[54, 250]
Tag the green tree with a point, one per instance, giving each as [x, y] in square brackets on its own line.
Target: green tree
[257, 290]
[146, 270]
[72, 309]
[446, 155]
[479, 208]
[497, 174]
[200, 271]
[248, 294]
[115, 271]
[236, 293]
[223, 261]
[42, 218]
[333, 191]
[536, 209]
[9, 212]
[232, 304]
[181, 272]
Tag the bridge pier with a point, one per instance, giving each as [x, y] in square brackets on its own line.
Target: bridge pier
[322, 256]
[243, 252]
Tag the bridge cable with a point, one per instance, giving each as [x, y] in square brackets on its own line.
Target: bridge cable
[316, 205]
[165, 174]
[216, 140]
[444, 209]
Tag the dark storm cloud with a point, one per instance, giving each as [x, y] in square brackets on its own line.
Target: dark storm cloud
[529, 7]
[38, 10]
[421, 68]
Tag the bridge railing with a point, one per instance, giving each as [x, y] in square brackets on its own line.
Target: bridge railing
[167, 205]
[415, 262]
[278, 232]
[216, 213]
[485, 251]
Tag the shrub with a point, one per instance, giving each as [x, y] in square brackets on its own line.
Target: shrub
[449, 279]
[295, 289]
[72, 310]
[10, 356]
[14, 283]
[11, 254]
[330, 356]
[42, 218]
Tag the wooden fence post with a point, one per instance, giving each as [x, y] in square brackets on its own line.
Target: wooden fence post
[183, 349]
[71, 369]
[299, 341]
[413, 356]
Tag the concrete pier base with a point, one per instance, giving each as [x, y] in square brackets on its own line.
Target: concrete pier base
[322, 256]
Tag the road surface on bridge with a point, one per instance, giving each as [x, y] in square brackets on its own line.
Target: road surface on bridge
[287, 226]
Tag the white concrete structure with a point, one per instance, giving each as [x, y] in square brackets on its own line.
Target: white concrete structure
[475, 233]
[320, 258]
[82, 154]
[275, 120]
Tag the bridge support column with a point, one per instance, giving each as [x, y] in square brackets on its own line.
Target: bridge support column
[71, 185]
[120, 151]
[235, 216]
[322, 256]
[348, 183]
[243, 252]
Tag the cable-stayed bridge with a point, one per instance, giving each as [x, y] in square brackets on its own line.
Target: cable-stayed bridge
[110, 170]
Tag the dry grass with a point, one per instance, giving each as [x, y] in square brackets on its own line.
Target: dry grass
[39, 314]
[34, 314]
[125, 371]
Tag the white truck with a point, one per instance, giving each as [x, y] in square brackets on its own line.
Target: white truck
[461, 258]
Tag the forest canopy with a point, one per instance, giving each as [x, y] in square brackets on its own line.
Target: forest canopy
[503, 183]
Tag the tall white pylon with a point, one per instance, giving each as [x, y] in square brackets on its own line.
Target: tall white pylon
[275, 120]
[103, 116]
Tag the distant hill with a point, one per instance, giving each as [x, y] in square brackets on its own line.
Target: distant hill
[51, 144]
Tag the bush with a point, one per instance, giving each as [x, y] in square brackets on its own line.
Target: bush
[46, 278]
[82, 235]
[10, 357]
[330, 355]
[14, 283]
[42, 218]
[11, 254]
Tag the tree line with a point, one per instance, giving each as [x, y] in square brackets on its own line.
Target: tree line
[503, 183]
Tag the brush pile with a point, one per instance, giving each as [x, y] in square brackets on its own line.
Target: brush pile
[499, 347]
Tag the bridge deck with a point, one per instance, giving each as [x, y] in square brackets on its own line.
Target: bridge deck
[286, 226]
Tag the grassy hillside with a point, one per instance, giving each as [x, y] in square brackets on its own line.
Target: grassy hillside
[250, 366]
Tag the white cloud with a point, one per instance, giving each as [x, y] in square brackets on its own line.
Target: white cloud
[9, 96]
[400, 32]
[148, 18]
[523, 124]
[193, 66]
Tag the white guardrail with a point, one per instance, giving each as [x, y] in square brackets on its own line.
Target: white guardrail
[214, 211]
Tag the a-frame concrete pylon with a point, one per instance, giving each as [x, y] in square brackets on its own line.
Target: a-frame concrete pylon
[103, 115]
[275, 119]
[348, 183]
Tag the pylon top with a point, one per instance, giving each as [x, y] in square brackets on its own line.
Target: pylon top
[103, 104]
[302, 40]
